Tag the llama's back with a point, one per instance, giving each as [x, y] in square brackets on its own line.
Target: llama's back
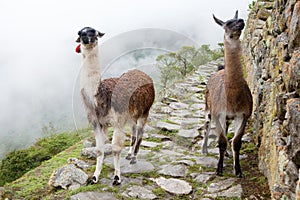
[134, 93]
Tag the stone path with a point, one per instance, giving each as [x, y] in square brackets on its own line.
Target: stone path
[169, 163]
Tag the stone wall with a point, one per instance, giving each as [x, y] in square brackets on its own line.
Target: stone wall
[271, 53]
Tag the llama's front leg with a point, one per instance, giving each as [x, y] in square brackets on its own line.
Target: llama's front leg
[222, 142]
[236, 145]
[117, 146]
[206, 132]
[100, 136]
[133, 140]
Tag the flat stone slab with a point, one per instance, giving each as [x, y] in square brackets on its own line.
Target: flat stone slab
[172, 185]
[139, 193]
[167, 126]
[92, 196]
[186, 162]
[181, 113]
[127, 168]
[178, 105]
[220, 185]
[204, 178]
[207, 161]
[173, 170]
[234, 191]
[149, 144]
[191, 133]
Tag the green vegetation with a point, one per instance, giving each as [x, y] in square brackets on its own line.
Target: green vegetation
[175, 66]
[251, 5]
[18, 162]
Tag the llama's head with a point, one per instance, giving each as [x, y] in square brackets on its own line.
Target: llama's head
[233, 27]
[88, 37]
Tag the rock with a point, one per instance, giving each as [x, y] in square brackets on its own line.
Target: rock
[139, 193]
[91, 152]
[92, 196]
[173, 170]
[298, 187]
[68, 175]
[89, 143]
[178, 106]
[233, 192]
[149, 144]
[126, 168]
[181, 113]
[192, 133]
[78, 163]
[167, 126]
[220, 185]
[294, 36]
[186, 162]
[172, 185]
[204, 178]
[207, 161]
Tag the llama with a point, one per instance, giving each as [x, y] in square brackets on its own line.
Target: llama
[115, 101]
[228, 96]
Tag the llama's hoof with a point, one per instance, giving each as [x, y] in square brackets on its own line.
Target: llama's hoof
[219, 172]
[133, 161]
[128, 157]
[204, 152]
[117, 180]
[93, 180]
[240, 175]
[227, 154]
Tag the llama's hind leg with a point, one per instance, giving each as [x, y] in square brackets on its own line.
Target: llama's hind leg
[100, 136]
[139, 137]
[133, 140]
[207, 126]
[240, 124]
[117, 146]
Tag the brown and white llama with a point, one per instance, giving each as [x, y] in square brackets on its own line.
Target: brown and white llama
[114, 101]
[228, 96]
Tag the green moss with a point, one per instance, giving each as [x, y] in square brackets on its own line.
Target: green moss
[159, 192]
[249, 148]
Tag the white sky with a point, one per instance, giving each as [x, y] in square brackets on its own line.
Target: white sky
[37, 37]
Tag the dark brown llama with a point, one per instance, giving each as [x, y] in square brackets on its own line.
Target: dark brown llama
[228, 96]
[115, 101]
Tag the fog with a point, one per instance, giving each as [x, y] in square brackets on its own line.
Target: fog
[39, 66]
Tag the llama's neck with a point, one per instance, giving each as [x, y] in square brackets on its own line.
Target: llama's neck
[233, 65]
[90, 71]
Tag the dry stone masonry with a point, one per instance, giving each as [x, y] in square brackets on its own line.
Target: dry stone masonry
[272, 59]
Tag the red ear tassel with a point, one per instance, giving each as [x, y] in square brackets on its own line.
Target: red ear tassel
[78, 50]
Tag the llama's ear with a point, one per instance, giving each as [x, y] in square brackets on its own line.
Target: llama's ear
[78, 39]
[218, 21]
[100, 34]
[236, 15]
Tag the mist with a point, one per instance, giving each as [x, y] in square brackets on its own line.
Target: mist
[39, 67]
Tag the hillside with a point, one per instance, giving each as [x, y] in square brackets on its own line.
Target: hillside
[170, 154]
